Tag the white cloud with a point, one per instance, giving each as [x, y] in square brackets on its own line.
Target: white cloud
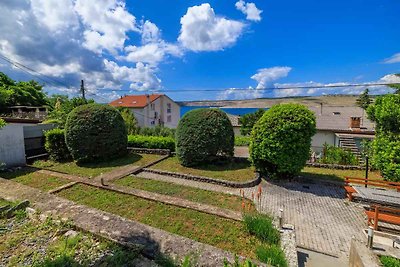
[267, 75]
[203, 30]
[106, 22]
[249, 9]
[141, 78]
[393, 59]
[154, 48]
[55, 15]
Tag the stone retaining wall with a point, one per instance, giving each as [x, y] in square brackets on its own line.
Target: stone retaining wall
[250, 183]
[150, 151]
[335, 166]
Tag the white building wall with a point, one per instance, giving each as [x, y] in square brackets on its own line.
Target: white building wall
[139, 115]
[12, 148]
[320, 138]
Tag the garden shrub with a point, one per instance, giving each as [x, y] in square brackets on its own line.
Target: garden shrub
[203, 135]
[55, 145]
[157, 131]
[154, 142]
[281, 140]
[272, 255]
[386, 146]
[338, 155]
[2, 123]
[95, 132]
[388, 261]
[242, 140]
[261, 226]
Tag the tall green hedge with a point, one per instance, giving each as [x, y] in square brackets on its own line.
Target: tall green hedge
[203, 135]
[55, 145]
[95, 132]
[281, 140]
[153, 142]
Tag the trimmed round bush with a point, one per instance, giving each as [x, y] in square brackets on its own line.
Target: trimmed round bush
[204, 135]
[281, 140]
[95, 132]
[55, 145]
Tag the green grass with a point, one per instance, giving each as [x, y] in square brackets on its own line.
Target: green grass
[336, 174]
[220, 232]
[271, 254]
[193, 194]
[4, 202]
[388, 261]
[94, 169]
[242, 140]
[260, 225]
[231, 171]
[34, 179]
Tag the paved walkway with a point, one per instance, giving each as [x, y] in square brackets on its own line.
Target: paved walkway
[323, 219]
[117, 173]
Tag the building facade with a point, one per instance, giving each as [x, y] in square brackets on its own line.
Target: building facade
[151, 110]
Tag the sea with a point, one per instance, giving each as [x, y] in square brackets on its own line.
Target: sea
[233, 111]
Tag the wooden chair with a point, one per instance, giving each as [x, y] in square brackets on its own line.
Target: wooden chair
[378, 214]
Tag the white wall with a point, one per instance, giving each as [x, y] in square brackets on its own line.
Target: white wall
[236, 130]
[12, 148]
[320, 138]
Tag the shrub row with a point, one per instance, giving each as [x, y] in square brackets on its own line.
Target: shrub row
[157, 131]
[338, 155]
[154, 142]
[242, 140]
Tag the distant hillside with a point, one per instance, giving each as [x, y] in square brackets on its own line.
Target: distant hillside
[331, 100]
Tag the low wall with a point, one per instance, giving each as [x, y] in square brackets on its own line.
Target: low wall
[361, 256]
[12, 147]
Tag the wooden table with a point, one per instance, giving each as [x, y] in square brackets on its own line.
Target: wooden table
[378, 195]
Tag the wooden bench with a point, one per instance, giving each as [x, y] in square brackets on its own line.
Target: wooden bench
[378, 214]
[370, 182]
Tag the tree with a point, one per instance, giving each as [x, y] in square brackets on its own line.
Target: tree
[247, 121]
[130, 121]
[364, 100]
[386, 146]
[396, 87]
[204, 135]
[2, 123]
[281, 140]
[22, 93]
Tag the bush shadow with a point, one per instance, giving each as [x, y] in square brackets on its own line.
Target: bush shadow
[128, 159]
[17, 172]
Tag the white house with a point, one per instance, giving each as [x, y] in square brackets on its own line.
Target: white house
[151, 110]
[341, 126]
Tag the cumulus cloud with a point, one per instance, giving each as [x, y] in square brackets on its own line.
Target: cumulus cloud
[141, 78]
[203, 30]
[267, 75]
[249, 9]
[106, 22]
[154, 49]
[393, 59]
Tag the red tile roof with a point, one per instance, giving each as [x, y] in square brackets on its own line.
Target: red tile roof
[133, 101]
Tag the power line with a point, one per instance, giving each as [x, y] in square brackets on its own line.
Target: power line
[329, 86]
[38, 75]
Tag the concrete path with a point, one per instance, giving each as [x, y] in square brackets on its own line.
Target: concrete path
[152, 240]
[323, 219]
[117, 173]
[242, 151]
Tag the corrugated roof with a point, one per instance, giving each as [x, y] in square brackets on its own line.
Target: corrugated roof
[134, 101]
[338, 118]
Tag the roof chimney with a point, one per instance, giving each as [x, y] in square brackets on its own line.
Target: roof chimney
[355, 123]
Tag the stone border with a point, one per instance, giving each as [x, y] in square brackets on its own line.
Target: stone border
[150, 151]
[335, 166]
[288, 244]
[204, 179]
[119, 229]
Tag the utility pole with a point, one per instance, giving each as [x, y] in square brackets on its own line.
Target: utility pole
[83, 90]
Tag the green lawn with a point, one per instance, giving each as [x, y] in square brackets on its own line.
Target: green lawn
[220, 232]
[94, 169]
[232, 171]
[34, 179]
[4, 202]
[336, 174]
[193, 194]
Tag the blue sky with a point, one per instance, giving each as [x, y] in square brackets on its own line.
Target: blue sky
[135, 46]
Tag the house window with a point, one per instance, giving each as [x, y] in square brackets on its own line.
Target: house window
[169, 118]
[155, 114]
[169, 108]
[152, 106]
[152, 122]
